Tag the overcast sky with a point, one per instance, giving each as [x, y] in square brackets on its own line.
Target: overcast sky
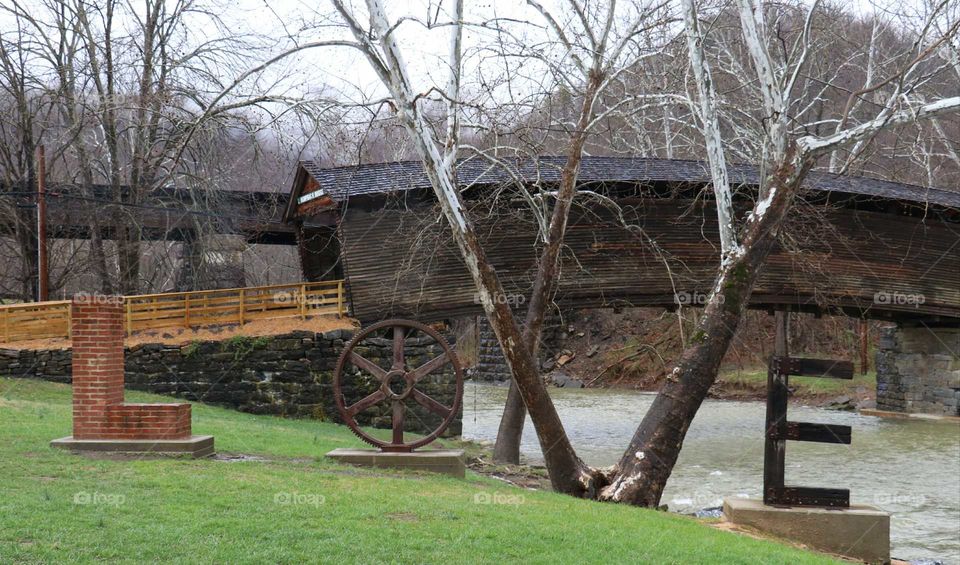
[425, 50]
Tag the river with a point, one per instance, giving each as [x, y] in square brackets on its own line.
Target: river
[907, 467]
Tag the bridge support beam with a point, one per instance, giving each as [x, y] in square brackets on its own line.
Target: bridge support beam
[918, 370]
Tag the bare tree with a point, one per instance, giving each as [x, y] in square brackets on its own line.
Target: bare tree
[129, 102]
[598, 46]
[785, 156]
[19, 138]
[642, 472]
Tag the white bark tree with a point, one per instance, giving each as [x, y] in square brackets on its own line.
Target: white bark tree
[642, 472]
[783, 149]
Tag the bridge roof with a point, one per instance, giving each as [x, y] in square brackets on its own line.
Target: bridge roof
[341, 183]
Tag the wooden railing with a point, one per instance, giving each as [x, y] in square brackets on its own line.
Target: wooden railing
[233, 306]
[41, 320]
[36, 320]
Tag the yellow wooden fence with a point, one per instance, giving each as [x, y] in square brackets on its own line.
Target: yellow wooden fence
[36, 320]
[41, 320]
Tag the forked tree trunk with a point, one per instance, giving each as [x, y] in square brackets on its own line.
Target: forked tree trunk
[568, 474]
[645, 466]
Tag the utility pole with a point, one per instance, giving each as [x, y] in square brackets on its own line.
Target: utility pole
[43, 275]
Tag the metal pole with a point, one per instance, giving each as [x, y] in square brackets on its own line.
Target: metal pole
[43, 276]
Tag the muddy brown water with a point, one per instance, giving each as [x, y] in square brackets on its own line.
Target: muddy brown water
[908, 468]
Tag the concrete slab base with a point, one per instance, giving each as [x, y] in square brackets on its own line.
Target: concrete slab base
[194, 446]
[859, 532]
[445, 461]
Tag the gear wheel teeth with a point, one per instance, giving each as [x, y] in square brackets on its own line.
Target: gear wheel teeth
[340, 401]
[343, 360]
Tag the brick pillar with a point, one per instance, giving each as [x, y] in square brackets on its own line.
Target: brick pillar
[98, 408]
[97, 328]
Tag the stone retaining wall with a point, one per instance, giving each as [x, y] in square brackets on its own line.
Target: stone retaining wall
[492, 366]
[284, 375]
[918, 370]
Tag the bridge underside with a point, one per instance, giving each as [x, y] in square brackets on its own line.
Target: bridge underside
[657, 252]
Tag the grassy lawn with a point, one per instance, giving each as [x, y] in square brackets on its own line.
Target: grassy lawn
[756, 379]
[294, 506]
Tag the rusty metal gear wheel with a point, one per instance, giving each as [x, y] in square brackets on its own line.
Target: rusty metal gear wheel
[398, 384]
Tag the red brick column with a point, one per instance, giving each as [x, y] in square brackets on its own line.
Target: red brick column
[98, 408]
[97, 331]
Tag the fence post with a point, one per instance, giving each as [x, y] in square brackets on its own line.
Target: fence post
[186, 310]
[340, 298]
[129, 318]
[243, 295]
[303, 302]
[6, 326]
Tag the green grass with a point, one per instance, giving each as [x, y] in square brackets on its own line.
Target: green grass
[756, 379]
[58, 507]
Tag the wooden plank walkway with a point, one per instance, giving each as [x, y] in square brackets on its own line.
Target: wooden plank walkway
[44, 320]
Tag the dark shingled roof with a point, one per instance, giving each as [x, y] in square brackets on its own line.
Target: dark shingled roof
[376, 178]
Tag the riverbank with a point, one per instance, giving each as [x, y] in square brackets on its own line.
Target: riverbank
[907, 467]
[635, 349]
[736, 384]
[271, 496]
[860, 392]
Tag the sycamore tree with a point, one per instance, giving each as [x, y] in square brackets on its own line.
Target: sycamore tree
[786, 154]
[592, 52]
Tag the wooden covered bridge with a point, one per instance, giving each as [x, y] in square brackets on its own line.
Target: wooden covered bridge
[642, 233]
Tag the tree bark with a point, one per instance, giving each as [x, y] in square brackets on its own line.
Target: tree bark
[507, 447]
[510, 432]
[568, 474]
[643, 470]
[26, 232]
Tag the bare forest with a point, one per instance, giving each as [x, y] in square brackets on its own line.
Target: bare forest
[171, 138]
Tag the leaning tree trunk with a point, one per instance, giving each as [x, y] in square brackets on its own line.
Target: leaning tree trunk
[568, 474]
[507, 447]
[645, 466]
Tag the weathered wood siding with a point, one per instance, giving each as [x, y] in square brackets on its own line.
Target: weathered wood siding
[401, 262]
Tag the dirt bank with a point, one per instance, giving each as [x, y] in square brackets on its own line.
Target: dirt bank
[636, 348]
[182, 336]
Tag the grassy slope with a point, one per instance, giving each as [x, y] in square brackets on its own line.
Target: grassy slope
[217, 511]
[756, 380]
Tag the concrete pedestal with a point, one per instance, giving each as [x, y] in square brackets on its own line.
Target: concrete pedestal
[445, 461]
[859, 532]
[194, 446]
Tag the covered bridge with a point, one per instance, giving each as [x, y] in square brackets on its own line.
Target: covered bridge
[642, 233]
[850, 243]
